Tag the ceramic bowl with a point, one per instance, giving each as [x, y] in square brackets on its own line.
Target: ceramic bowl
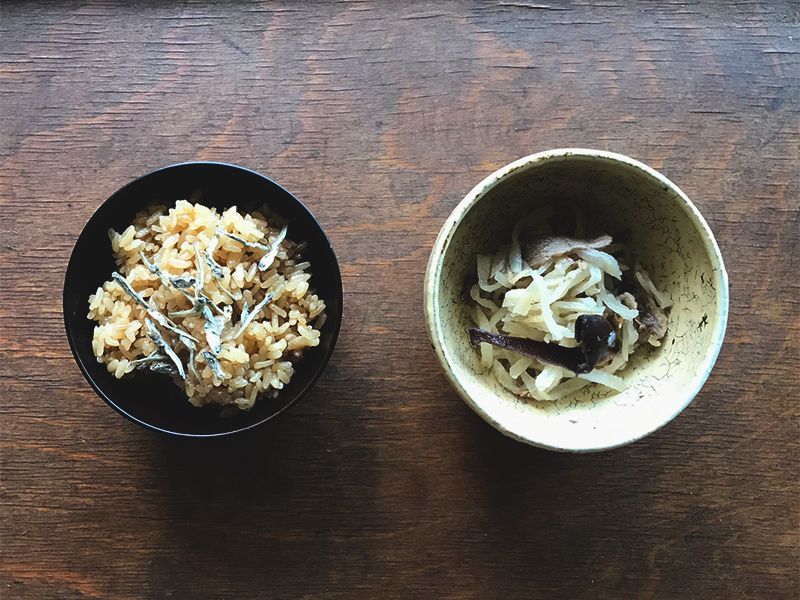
[670, 239]
[154, 401]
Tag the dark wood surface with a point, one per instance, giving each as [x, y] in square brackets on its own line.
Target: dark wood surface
[381, 117]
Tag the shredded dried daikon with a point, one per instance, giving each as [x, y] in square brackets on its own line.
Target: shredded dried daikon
[576, 278]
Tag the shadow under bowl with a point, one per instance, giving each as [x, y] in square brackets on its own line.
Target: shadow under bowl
[154, 401]
[669, 238]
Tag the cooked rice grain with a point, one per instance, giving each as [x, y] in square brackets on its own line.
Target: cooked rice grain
[260, 360]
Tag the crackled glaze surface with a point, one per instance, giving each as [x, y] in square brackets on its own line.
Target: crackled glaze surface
[668, 236]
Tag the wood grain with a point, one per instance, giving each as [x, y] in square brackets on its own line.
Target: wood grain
[380, 117]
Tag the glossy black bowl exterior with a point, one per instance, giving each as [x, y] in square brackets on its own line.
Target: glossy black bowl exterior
[153, 400]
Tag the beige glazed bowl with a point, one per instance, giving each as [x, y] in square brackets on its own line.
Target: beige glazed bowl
[669, 238]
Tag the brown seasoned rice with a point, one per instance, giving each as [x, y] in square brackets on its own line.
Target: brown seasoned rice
[256, 361]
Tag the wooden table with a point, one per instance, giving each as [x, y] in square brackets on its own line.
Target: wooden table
[382, 483]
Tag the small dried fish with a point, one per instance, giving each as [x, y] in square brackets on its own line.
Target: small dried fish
[228, 292]
[246, 320]
[212, 362]
[201, 275]
[144, 362]
[267, 260]
[216, 268]
[162, 344]
[198, 304]
[213, 329]
[192, 369]
[199, 300]
[219, 276]
[183, 282]
[156, 270]
[271, 251]
[163, 368]
[244, 242]
[196, 309]
[154, 356]
[217, 271]
[152, 267]
[154, 314]
[126, 287]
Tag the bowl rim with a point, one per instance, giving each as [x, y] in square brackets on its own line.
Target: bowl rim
[336, 321]
[451, 224]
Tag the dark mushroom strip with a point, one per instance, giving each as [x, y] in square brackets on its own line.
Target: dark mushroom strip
[595, 334]
[553, 354]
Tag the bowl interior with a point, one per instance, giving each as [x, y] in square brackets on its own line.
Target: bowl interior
[153, 400]
[669, 238]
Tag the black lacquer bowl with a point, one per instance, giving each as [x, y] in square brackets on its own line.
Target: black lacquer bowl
[152, 400]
